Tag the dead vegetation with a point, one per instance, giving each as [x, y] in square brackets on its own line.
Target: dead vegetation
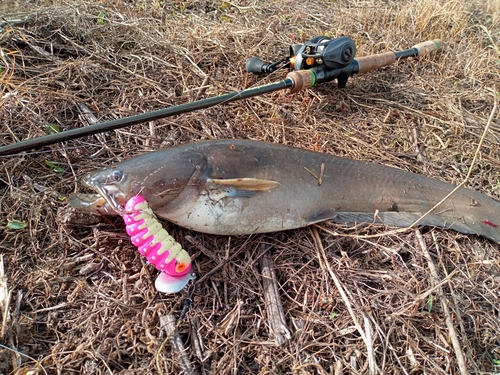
[81, 300]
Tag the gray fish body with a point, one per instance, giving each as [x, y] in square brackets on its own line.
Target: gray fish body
[235, 187]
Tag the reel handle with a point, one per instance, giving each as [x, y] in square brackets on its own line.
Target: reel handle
[257, 66]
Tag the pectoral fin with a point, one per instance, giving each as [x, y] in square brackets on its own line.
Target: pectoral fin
[251, 184]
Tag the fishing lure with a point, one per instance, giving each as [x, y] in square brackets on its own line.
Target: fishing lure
[159, 247]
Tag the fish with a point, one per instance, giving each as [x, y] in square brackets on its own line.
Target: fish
[242, 187]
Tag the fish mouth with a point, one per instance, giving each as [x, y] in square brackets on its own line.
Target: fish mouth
[90, 204]
[109, 199]
[107, 188]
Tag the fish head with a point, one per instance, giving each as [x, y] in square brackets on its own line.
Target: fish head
[158, 176]
[108, 197]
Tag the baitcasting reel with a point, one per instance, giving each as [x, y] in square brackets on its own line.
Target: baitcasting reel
[319, 51]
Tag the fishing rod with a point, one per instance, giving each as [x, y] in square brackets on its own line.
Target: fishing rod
[320, 59]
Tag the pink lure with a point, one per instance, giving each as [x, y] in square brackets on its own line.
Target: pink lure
[159, 248]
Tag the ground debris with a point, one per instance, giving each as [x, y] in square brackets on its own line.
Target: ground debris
[77, 297]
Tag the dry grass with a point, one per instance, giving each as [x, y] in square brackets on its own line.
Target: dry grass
[82, 300]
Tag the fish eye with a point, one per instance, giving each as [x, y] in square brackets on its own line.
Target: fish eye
[116, 176]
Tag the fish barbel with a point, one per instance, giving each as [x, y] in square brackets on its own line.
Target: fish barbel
[237, 187]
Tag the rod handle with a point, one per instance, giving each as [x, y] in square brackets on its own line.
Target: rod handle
[426, 48]
[369, 63]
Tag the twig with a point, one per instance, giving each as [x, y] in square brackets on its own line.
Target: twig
[321, 173]
[339, 368]
[456, 310]
[369, 343]
[420, 157]
[275, 314]
[196, 339]
[169, 324]
[312, 173]
[20, 18]
[5, 297]
[447, 317]
[222, 263]
[322, 259]
[428, 292]
[26, 356]
[203, 87]
[203, 249]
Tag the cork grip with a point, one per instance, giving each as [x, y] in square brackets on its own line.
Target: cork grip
[369, 63]
[302, 79]
[428, 47]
